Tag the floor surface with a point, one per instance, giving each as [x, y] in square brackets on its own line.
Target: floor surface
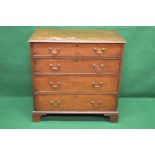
[16, 113]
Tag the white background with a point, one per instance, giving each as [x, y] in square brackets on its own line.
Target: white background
[77, 142]
[77, 13]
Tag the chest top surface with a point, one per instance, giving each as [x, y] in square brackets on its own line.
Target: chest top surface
[75, 35]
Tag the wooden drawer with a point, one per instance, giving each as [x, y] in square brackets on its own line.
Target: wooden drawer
[76, 84]
[75, 102]
[60, 49]
[75, 66]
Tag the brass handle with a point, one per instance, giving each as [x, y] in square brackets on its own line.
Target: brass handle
[55, 103]
[54, 51]
[55, 67]
[98, 67]
[55, 85]
[99, 51]
[95, 103]
[100, 84]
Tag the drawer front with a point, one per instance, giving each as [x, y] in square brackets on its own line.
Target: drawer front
[53, 49]
[75, 102]
[75, 66]
[76, 84]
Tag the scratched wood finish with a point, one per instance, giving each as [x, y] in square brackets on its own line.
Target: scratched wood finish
[75, 102]
[75, 66]
[76, 72]
[76, 84]
[88, 50]
[75, 35]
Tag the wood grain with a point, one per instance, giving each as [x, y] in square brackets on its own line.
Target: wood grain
[75, 66]
[88, 50]
[75, 102]
[76, 35]
[76, 84]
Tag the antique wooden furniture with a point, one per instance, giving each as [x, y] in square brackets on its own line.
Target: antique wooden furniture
[76, 71]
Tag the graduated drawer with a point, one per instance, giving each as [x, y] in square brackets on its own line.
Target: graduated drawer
[75, 66]
[76, 84]
[72, 49]
[75, 102]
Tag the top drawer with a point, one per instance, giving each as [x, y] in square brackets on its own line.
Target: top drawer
[73, 49]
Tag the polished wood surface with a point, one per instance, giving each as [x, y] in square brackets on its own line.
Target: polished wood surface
[76, 84]
[75, 102]
[75, 66]
[88, 50]
[76, 72]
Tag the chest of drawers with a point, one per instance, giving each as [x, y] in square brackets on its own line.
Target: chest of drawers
[76, 71]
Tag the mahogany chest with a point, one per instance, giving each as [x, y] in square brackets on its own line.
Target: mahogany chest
[76, 71]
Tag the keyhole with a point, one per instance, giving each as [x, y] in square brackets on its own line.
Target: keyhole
[76, 60]
[75, 97]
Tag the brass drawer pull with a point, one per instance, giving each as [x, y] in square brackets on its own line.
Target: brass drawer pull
[95, 103]
[99, 51]
[98, 67]
[100, 84]
[55, 85]
[55, 103]
[54, 51]
[55, 67]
